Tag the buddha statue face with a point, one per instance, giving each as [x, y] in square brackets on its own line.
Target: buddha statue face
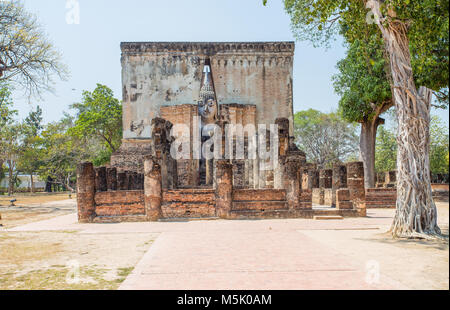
[207, 110]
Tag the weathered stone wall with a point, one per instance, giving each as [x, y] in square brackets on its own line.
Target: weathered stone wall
[155, 74]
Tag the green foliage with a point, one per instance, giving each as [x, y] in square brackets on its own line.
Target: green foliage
[439, 152]
[6, 111]
[60, 152]
[362, 81]
[31, 149]
[54, 150]
[34, 121]
[325, 138]
[385, 150]
[99, 116]
[319, 21]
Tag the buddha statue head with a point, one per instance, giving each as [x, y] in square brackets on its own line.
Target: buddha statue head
[207, 103]
[208, 110]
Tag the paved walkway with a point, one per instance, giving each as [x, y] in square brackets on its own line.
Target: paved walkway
[240, 255]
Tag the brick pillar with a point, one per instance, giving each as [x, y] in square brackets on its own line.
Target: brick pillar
[86, 192]
[343, 199]
[101, 184]
[291, 181]
[314, 175]
[224, 188]
[111, 176]
[339, 180]
[306, 186]
[355, 185]
[130, 180]
[325, 178]
[122, 181]
[152, 189]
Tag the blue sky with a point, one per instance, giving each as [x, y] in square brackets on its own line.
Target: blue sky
[91, 49]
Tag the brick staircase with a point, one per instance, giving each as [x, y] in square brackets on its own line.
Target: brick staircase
[381, 198]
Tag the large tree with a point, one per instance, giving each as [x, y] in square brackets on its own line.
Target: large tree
[7, 114]
[12, 139]
[30, 159]
[60, 153]
[27, 58]
[326, 138]
[365, 94]
[99, 116]
[415, 36]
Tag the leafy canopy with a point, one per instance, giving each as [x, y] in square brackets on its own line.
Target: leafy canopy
[325, 138]
[99, 115]
[319, 21]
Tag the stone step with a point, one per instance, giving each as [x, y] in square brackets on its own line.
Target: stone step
[120, 219]
[185, 219]
[328, 217]
[381, 206]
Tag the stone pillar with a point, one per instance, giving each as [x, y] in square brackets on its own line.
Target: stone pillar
[325, 178]
[122, 181]
[314, 174]
[101, 184]
[355, 185]
[238, 173]
[152, 189]
[291, 181]
[343, 199]
[111, 176]
[391, 179]
[381, 177]
[339, 180]
[224, 188]
[86, 192]
[130, 180]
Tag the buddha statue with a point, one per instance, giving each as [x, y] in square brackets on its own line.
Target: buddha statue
[208, 111]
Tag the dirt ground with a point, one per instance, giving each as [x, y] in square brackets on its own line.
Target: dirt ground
[416, 264]
[26, 199]
[102, 257]
[34, 208]
[68, 259]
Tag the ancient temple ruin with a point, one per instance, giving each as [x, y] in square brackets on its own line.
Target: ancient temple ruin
[232, 100]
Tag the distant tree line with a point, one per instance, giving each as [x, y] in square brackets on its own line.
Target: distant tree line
[53, 150]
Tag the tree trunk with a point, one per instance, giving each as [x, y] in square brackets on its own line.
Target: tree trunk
[367, 149]
[416, 213]
[11, 179]
[32, 182]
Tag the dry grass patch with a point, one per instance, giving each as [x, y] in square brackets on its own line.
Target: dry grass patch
[63, 278]
[69, 260]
